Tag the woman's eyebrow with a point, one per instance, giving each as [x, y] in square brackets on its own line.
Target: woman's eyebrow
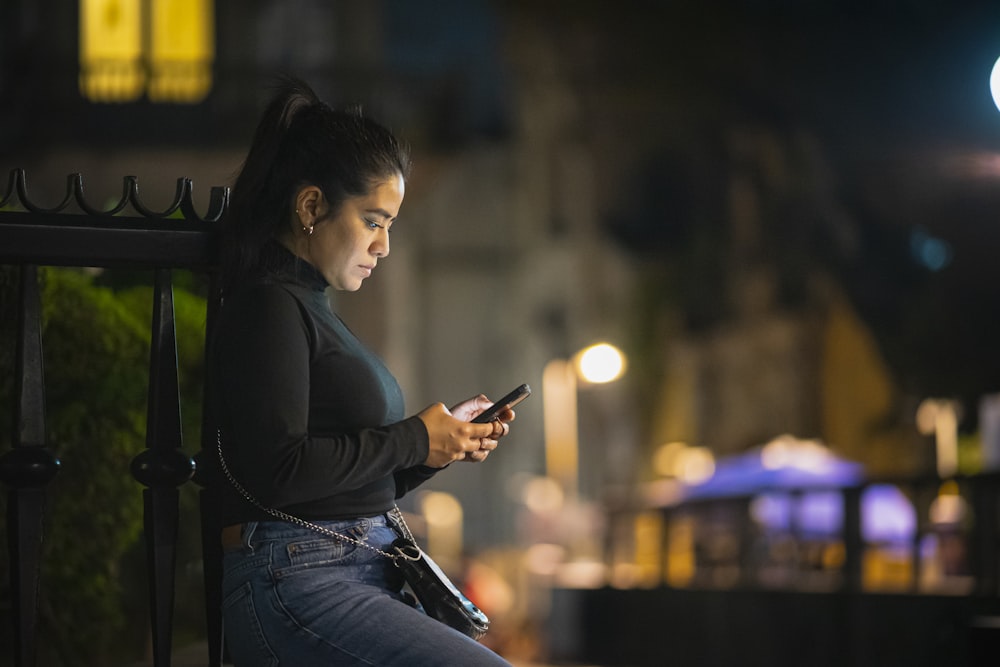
[381, 212]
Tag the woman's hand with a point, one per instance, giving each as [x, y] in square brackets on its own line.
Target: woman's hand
[454, 438]
[470, 408]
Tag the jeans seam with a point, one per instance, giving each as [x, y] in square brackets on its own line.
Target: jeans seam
[319, 638]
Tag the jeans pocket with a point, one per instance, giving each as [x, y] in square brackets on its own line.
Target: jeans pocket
[320, 551]
[310, 554]
[244, 632]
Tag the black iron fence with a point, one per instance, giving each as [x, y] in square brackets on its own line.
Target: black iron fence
[131, 235]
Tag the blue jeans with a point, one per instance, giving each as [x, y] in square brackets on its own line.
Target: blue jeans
[295, 597]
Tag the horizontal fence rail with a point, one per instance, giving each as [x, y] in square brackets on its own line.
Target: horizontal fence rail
[31, 234]
[75, 233]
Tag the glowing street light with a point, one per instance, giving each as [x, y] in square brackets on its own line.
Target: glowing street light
[995, 83]
[596, 364]
[600, 363]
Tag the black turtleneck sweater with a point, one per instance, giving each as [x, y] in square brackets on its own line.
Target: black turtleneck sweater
[312, 421]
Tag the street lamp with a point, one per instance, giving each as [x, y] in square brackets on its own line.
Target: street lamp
[596, 364]
[600, 363]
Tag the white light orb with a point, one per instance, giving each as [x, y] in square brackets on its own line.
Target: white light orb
[601, 363]
[995, 83]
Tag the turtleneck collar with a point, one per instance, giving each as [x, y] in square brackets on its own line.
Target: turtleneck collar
[282, 263]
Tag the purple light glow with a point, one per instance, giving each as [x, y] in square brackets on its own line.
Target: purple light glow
[886, 513]
[745, 475]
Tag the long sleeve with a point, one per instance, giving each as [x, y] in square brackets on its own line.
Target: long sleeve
[411, 478]
[312, 420]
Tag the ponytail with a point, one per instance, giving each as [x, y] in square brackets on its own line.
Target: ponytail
[290, 98]
[251, 221]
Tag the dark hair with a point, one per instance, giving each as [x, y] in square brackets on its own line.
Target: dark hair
[301, 141]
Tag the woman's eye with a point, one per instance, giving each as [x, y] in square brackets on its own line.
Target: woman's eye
[374, 225]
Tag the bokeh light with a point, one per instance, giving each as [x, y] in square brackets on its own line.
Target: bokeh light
[601, 363]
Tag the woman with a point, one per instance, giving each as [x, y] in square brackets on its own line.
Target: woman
[311, 421]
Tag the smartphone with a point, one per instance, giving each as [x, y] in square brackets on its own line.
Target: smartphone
[508, 401]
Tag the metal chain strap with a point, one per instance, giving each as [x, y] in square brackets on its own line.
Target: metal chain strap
[284, 516]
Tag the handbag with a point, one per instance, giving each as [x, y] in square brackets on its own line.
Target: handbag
[439, 597]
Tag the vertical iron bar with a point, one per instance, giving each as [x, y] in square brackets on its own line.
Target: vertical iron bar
[27, 468]
[984, 535]
[164, 432]
[853, 541]
[160, 524]
[25, 512]
[923, 495]
[162, 468]
[211, 553]
[745, 530]
[665, 561]
[207, 476]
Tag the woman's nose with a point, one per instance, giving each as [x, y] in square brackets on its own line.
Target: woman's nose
[380, 247]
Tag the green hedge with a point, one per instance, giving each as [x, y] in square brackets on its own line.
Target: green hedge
[93, 608]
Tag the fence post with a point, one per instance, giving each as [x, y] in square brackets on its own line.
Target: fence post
[208, 477]
[985, 544]
[853, 540]
[162, 468]
[27, 468]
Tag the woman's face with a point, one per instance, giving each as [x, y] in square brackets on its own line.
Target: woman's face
[346, 247]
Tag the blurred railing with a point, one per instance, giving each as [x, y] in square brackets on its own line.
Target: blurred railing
[904, 535]
[75, 233]
[886, 571]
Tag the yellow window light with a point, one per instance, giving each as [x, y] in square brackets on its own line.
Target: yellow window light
[182, 50]
[161, 48]
[111, 50]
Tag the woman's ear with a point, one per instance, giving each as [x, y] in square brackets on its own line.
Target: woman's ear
[309, 206]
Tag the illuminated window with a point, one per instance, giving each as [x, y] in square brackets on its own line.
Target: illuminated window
[111, 50]
[161, 48]
[182, 49]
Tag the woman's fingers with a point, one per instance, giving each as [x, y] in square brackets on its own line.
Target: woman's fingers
[500, 429]
[452, 439]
